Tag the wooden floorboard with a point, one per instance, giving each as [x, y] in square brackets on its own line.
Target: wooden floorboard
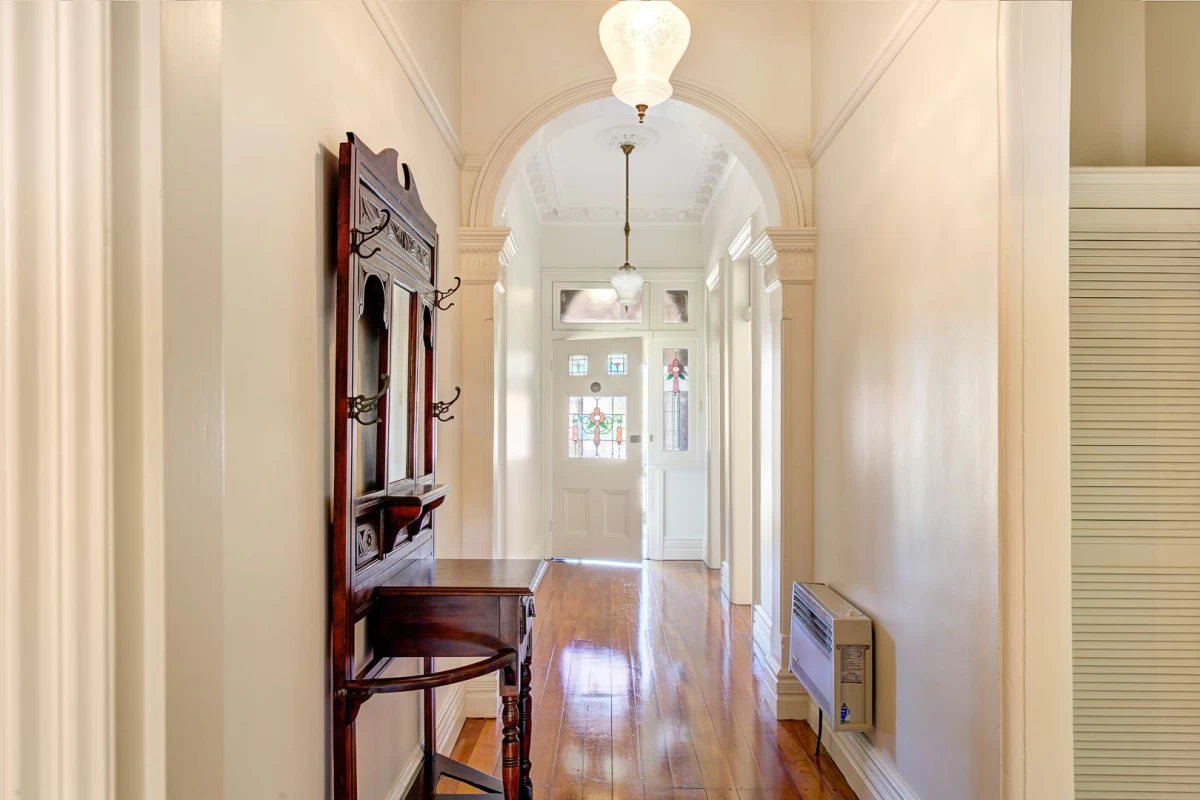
[646, 687]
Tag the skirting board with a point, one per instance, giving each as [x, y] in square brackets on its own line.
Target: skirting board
[725, 579]
[683, 550]
[782, 693]
[450, 719]
[482, 695]
[870, 773]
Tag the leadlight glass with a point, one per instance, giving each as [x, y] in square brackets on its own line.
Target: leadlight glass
[577, 366]
[675, 306]
[675, 399]
[618, 364]
[591, 306]
[596, 427]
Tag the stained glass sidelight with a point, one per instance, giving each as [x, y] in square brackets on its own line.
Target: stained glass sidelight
[675, 399]
[596, 427]
[618, 364]
[675, 306]
[577, 366]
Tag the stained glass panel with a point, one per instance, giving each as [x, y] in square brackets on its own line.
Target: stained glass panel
[577, 366]
[590, 306]
[618, 364]
[675, 306]
[675, 399]
[596, 427]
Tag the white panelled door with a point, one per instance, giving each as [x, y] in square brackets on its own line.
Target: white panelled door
[597, 444]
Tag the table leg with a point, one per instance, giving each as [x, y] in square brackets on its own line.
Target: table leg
[510, 751]
[526, 721]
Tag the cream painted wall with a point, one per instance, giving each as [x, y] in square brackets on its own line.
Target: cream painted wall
[523, 501]
[755, 53]
[846, 38]
[1108, 86]
[1173, 84]
[433, 32]
[906, 404]
[286, 70]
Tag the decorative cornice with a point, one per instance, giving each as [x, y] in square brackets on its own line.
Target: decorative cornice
[713, 277]
[404, 56]
[798, 160]
[787, 255]
[473, 163]
[741, 241]
[916, 14]
[786, 188]
[541, 174]
[484, 254]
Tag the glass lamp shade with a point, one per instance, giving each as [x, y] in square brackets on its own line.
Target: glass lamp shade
[628, 284]
[644, 40]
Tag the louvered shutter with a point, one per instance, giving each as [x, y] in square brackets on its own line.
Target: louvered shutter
[1135, 478]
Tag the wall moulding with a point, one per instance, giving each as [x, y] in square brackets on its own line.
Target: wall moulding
[404, 56]
[782, 193]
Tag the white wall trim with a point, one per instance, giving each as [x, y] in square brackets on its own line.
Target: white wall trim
[725, 581]
[408, 62]
[57, 735]
[1135, 187]
[656, 523]
[740, 244]
[408, 773]
[908, 25]
[480, 697]
[683, 549]
[870, 773]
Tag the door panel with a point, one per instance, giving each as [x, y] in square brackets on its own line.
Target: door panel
[597, 448]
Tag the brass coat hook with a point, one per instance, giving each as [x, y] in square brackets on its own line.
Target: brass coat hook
[439, 408]
[439, 296]
[359, 238]
[362, 404]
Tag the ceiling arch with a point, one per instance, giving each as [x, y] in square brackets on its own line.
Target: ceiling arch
[736, 130]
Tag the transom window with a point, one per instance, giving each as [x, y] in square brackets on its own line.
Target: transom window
[618, 364]
[577, 366]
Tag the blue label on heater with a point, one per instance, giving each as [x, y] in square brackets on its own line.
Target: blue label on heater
[845, 712]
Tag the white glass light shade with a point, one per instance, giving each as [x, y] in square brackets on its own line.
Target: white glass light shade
[628, 284]
[644, 40]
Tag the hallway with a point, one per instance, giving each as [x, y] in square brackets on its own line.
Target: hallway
[642, 689]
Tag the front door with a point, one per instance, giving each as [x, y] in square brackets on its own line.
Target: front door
[598, 449]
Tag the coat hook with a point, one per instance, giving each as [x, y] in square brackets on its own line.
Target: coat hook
[439, 296]
[439, 408]
[359, 238]
[362, 404]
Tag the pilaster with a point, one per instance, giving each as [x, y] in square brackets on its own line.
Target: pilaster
[484, 254]
[786, 257]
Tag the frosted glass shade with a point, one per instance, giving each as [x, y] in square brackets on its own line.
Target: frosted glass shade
[628, 284]
[644, 40]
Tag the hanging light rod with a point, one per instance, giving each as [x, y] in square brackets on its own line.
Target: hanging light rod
[644, 40]
[626, 279]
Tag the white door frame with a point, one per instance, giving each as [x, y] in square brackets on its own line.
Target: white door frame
[551, 334]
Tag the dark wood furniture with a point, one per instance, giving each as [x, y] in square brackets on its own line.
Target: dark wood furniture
[382, 563]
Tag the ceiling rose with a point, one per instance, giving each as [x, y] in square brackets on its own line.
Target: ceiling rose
[640, 137]
[644, 40]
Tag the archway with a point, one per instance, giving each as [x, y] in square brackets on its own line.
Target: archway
[749, 142]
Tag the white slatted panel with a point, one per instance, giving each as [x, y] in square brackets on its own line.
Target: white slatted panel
[1135, 464]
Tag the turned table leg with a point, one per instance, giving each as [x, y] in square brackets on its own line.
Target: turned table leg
[526, 722]
[510, 751]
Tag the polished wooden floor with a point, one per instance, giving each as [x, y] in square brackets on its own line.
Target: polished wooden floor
[645, 687]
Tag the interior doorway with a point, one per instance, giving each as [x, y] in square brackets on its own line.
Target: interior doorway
[598, 476]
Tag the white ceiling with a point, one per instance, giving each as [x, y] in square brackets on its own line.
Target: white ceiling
[578, 174]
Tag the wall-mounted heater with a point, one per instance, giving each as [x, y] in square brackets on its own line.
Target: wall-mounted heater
[831, 655]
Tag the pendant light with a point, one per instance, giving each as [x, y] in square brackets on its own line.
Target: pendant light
[626, 279]
[644, 40]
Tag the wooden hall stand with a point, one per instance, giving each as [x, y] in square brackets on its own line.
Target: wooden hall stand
[382, 563]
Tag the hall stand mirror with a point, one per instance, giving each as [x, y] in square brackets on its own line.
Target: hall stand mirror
[383, 565]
